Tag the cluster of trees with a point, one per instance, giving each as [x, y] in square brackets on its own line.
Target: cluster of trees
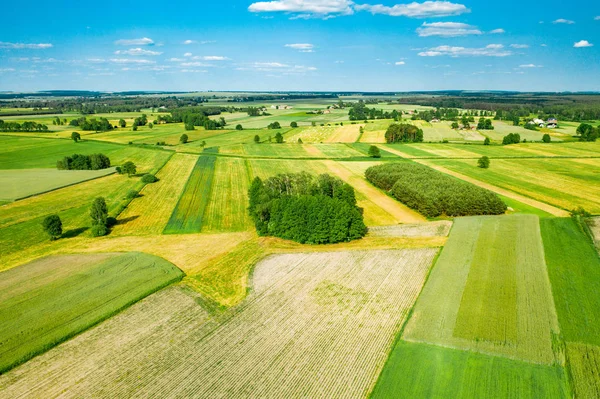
[511, 138]
[274, 125]
[485, 124]
[22, 127]
[403, 133]
[359, 111]
[587, 132]
[433, 193]
[306, 209]
[139, 121]
[84, 162]
[197, 116]
[52, 224]
[255, 111]
[96, 125]
[128, 168]
[59, 122]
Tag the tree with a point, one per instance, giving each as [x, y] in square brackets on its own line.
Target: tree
[374, 152]
[483, 162]
[203, 144]
[546, 138]
[294, 124]
[486, 141]
[122, 123]
[53, 226]
[279, 138]
[239, 127]
[256, 139]
[274, 125]
[587, 132]
[189, 126]
[511, 138]
[75, 137]
[134, 127]
[300, 141]
[150, 125]
[403, 133]
[454, 125]
[149, 178]
[129, 168]
[99, 212]
[183, 139]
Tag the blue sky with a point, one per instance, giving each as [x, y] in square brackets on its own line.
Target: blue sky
[370, 45]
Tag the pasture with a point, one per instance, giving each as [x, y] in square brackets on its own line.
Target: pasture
[50, 300]
[300, 304]
[17, 184]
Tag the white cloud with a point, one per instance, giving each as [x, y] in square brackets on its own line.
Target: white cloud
[497, 31]
[137, 51]
[302, 47]
[416, 10]
[187, 55]
[2, 70]
[277, 68]
[563, 21]
[597, 18]
[144, 41]
[492, 50]
[519, 45]
[32, 46]
[306, 8]
[447, 29]
[530, 66]
[582, 43]
[130, 61]
[176, 59]
[193, 70]
[211, 58]
[339, 62]
[400, 63]
[195, 64]
[189, 41]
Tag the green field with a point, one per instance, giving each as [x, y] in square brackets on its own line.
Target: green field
[188, 215]
[416, 370]
[52, 299]
[20, 183]
[496, 293]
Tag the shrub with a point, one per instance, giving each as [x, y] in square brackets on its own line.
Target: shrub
[52, 226]
[433, 193]
[294, 124]
[184, 138]
[99, 230]
[274, 125]
[256, 139]
[546, 138]
[511, 138]
[131, 194]
[75, 137]
[279, 138]
[486, 141]
[374, 152]
[149, 178]
[483, 162]
[239, 127]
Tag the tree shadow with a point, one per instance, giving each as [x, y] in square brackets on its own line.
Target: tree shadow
[74, 232]
[127, 220]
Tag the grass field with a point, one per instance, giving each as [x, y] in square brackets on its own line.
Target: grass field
[149, 213]
[187, 217]
[21, 183]
[564, 183]
[415, 370]
[50, 300]
[228, 203]
[584, 367]
[353, 302]
[496, 292]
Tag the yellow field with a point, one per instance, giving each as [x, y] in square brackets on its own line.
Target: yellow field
[345, 134]
[384, 209]
[226, 210]
[150, 212]
[267, 168]
[373, 136]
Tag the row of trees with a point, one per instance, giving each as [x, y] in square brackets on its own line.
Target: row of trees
[359, 111]
[403, 133]
[22, 127]
[84, 162]
[96, 125]
[305, 208]
[433, 193]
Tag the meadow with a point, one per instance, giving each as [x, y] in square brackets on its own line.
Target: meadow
[47, 301]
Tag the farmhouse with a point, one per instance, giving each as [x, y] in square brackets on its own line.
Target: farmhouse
[552, 123]
[538, 122]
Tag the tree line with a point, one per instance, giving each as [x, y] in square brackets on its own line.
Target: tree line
[403, 133]
[83, 162]
[93, 124]
[433, 193]
[22, 127]
[305, 208]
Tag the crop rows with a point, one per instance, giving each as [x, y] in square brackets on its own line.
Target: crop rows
[321, 325]
[188, 215]
[489, 292]
[49, 300]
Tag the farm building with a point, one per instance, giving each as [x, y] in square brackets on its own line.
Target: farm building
[552, 123]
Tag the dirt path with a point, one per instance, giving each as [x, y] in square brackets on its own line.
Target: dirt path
[510, 194]
[400, 212]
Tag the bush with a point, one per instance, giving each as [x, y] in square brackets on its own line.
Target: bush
[239, 127]
[486, 141]
[184, 138]
[511, 138]
[279, 138]
[294, 124]
[546, 138]
[131, 194]
[274, 125]
[433, 193]
[149, 178]
[52, 226]
[374, 152]
[306, 209]
[403, 133]
[483, 162]
[99, 230]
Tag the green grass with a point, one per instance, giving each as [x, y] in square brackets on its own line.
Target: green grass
[364, 149]
[519, 207]
[187, 217]
[50, 300]
[574, 269]
[20, 183]
[489, 292]
[424, 371]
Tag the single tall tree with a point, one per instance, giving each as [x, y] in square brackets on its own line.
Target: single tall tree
[129, 168]
[53, 226]
[75, 137]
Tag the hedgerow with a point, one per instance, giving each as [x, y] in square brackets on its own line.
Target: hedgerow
[433, 193]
